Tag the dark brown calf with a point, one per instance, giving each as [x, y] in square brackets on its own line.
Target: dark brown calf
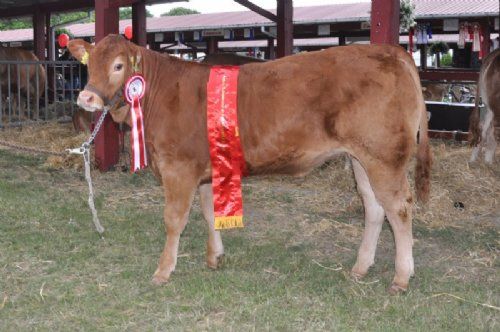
[294, 114]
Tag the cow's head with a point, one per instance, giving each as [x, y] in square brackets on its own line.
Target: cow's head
[110, 63]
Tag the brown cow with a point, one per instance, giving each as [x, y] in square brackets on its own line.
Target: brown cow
[27, 74]
[482, 127]
[294, 114]
[434, 91]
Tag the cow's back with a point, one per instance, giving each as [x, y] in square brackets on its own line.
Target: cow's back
[321, 101]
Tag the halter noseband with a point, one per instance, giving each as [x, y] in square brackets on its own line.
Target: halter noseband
[109, 104]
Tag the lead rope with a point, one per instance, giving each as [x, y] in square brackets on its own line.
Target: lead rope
[84, 150]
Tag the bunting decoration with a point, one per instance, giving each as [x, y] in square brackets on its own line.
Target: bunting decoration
[226, 154]
[411, 34]
[462, 35]
[471, 33]
[423, 32]
[477, 41]
[134, 91]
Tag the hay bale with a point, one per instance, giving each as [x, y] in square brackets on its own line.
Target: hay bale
[50, 136]
[460, 191]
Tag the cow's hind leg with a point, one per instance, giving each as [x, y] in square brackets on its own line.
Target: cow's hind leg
[489, 139]
[179, 188]
[391, 189]
[374, 218]
[215, 249]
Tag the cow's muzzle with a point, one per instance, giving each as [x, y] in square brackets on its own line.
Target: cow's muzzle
[91, 99]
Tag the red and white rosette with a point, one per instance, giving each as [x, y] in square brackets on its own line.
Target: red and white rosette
[134, 91]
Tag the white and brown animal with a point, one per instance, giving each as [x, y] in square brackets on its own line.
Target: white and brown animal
[294, 114]
[483, 123]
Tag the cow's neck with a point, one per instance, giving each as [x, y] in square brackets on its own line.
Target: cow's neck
[162, 75]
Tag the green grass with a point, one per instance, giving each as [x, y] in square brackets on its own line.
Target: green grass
[57, 274]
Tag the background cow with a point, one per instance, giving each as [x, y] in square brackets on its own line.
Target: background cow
[434, 91]
[27, 78]
[294, 114]
[229, 59]
[482, 124]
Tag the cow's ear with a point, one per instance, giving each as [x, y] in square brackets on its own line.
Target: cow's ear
[135, 60]
[80, 49]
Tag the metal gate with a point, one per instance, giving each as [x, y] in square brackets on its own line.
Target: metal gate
[39, 91]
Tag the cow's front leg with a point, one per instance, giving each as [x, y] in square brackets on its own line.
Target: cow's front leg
[215, 249]
[179, 191]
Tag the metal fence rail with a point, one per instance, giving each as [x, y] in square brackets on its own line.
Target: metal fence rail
[38, 90]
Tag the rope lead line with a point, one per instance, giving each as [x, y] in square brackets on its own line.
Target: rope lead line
[84, 150]
[95, 218]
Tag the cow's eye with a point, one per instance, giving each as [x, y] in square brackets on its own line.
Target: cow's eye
[118, 66]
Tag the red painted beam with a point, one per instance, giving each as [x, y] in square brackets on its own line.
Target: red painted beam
[49, 7]
[139, 35]
[106, 20]
[486, 43]
[385, 22]
[259, 10]
[107, 140]
[212, 45]
[270, 50]
[48, 45]
[285, 28]
[39, 36]
[449, 75]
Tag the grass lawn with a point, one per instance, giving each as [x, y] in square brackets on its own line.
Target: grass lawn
[286, 270]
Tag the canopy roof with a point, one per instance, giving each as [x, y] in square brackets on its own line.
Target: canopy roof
[12, 8]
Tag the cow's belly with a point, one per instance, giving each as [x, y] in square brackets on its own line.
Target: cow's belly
[296, 163]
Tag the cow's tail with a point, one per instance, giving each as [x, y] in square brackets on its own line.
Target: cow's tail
[424, 161]
[474, 120]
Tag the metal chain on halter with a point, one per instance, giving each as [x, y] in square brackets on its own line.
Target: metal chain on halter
[31, 150]
[84, 150]
[90, 140]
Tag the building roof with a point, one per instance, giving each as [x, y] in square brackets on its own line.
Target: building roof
[454, 8]
[8, 4]
[355, 12]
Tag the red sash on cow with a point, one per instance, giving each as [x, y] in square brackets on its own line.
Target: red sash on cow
[228, 164]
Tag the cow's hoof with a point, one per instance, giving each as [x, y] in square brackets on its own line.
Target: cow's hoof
[396, 289]
[216, 262]
[160, 279]
[357, 276]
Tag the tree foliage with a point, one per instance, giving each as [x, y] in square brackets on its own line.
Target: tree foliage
[406, 15]
[126, 13]
[59, 31]
[439, 47]
[16, 23]
[61, 18]
[177, 11]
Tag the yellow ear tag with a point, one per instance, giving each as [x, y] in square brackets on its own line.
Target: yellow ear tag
[135, 63]
[85, 58]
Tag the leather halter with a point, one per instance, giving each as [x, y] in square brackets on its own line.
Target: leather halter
[109, 104]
